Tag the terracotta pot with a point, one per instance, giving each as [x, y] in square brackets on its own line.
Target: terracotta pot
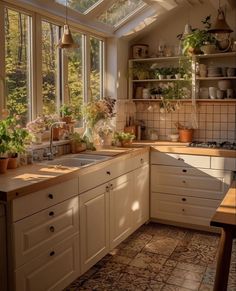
[126, 143]
[3, 165]
[77, 147]
[12, 163]
[185, 135]
[67, 119]
[56, 133]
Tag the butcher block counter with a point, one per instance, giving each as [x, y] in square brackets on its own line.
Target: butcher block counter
[225, 217]
[27, 179]
[182, 148]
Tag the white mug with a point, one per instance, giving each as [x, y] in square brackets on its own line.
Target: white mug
[220, 94]
[230, 93]
[213, 92]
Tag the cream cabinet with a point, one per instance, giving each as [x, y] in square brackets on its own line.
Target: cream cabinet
[45, 238]
[121, 193]
[3, 262]
[94, 225]
[110, 212]
[53, 270]
[140, 198]
[186, 193]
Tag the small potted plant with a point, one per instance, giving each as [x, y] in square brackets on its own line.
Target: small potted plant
[123, 138]
[78, 144]
[18, 141]
[4, 145]
[70, 112]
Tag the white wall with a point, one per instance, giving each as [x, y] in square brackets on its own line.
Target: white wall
[167, 30]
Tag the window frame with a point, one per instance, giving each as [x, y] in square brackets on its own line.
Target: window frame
[36, 58]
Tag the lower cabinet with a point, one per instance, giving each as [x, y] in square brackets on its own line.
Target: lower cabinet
[3, 262]
[121, 190]
[52, 270]
[94, 225]
[140, 198]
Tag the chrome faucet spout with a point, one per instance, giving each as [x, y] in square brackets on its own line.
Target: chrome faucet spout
[51, 154]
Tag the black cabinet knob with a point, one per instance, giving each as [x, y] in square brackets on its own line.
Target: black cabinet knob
[52, 254]
[108, 173]
[52, 228]
[184, 199]
[51, 213]
[50, 196]
[184, 171]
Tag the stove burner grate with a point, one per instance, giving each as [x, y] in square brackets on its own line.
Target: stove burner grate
[214, 145]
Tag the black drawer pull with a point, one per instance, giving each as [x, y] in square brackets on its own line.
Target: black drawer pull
[142, 161]
[107, 188]
[50, 196]
[52, 254]
[108, 173]
[52, 228]
[183, 210]
[184, 199]
[180, 159]
[51, 213]
[185, 171]
[184, 182]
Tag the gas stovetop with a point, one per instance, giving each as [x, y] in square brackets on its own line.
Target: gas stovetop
[214, 145]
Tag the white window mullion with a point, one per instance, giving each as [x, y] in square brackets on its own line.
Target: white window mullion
[87, 68]
[37, 40]
[30, 61]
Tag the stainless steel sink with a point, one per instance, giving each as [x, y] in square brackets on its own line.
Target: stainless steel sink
[77, 160]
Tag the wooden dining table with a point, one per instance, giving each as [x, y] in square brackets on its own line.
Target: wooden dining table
[225, 217]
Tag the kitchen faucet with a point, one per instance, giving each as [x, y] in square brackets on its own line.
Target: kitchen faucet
[50, 155]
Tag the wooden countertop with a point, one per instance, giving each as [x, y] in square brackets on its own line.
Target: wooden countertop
[182, 148]
[226, 213]
[27, 179]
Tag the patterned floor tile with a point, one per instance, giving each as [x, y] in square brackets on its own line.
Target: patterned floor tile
[169, 287]
[161, 245]
[158, 257]
[149, 261]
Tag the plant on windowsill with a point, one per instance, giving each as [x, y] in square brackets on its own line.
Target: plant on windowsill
[4, 145]
[70, 112]
[78, 144]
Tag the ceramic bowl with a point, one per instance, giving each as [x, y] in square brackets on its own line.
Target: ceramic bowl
[174, 137]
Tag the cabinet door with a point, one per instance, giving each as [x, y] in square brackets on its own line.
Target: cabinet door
[53, 270]
[36, 233]
[3, 264]
[94, 227]
[120, 208]
[140, 203]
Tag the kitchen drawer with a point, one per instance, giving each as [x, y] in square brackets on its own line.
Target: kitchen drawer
[180, 160]
[185, 200]
[32, 203]
[53, 270]
[179, 212]
[205, 183]
[223, 163]
[139, 160]
[42, 230]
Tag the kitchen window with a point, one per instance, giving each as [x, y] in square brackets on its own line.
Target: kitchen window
[18, 66]
[36, 77]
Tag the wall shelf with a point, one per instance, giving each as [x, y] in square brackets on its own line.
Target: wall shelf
[159, 80]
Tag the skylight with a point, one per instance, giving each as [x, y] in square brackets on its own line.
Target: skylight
[119, 11]
[81, 5]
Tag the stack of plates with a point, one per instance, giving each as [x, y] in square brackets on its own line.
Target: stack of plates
[214, 71]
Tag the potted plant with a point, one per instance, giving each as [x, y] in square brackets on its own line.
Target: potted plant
[123, 138]
[78, 144]
[36, 128]
[4, 145]
[70, 111]
[18, 140]
[193, 42]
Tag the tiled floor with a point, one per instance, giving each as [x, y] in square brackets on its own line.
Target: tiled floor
[158, 257]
